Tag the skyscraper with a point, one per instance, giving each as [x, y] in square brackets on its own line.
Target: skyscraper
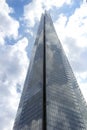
[51, 98]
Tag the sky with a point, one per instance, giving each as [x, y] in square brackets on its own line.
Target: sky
[19, 20]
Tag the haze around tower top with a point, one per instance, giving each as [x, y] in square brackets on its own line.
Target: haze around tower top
[19, 20]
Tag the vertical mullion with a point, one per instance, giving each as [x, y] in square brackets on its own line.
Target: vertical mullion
[44, 77]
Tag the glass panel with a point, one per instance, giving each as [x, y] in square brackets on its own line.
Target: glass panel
[30, 111]
[63, 105]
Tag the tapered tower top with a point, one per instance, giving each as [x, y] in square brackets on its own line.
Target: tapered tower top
[51, 98]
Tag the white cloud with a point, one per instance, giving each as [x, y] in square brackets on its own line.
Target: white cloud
[33, 10]
[13, 67]
[14, 60]
[8, 25]
[57, 3]
[76, 26]
[72, 33]
[77, 23]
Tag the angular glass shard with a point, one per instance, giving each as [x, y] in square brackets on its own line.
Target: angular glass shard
[63, 98]
[51, 98]
[29, 115]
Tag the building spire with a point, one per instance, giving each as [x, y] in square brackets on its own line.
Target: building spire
[51, 98]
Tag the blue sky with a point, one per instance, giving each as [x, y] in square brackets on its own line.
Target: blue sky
[19, 20]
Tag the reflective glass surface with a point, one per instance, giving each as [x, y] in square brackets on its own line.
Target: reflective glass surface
[65, 108]
[29, 115]
[64, 100]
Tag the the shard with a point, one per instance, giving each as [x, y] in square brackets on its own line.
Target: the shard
[51, 98]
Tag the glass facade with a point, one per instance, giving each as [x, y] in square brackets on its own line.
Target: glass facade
[30, 111]
[63, 98]
[51, 98]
